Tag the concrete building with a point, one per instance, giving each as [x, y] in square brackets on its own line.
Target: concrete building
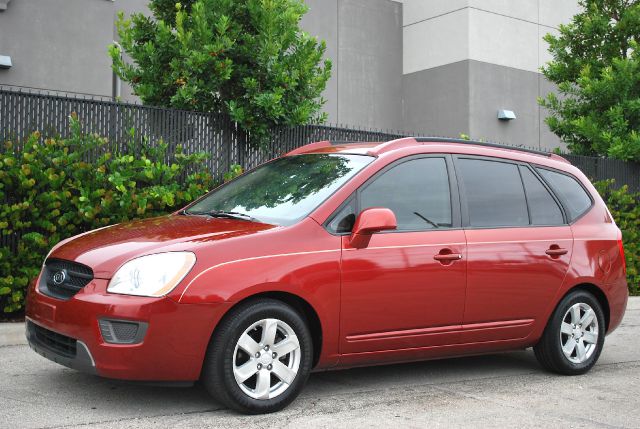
[431, 67]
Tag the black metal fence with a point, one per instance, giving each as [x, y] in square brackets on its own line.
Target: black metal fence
[596, 168]
[23, 111]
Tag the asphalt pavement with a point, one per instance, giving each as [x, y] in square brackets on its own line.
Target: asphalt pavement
[502, 391]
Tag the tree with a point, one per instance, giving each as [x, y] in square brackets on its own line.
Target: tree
[248, 59]
[596, 66]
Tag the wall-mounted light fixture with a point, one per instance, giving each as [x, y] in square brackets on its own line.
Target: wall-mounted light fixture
[3, 4]
[506, 115]
[5, 62]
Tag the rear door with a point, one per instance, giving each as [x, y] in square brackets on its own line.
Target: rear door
[518, 243]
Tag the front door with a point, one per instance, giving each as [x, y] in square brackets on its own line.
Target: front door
[406, 289]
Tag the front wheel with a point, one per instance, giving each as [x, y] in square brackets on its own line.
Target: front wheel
[574, 336]
[259, 358]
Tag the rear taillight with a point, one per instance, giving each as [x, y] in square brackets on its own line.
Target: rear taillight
[624, 261]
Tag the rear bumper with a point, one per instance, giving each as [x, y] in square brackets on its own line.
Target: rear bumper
[172, 349]
[618, 296]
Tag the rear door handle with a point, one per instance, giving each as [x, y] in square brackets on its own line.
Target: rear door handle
[448, 257]
[556, 251]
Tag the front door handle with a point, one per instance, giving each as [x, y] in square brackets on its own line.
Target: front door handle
[446, 257]
[556, 251]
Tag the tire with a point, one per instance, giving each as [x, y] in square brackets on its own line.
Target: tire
[228, 360]
[571, 348]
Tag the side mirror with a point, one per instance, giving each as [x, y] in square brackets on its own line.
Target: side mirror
[370, 221]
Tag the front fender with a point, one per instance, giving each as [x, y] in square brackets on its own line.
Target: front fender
[313, 276]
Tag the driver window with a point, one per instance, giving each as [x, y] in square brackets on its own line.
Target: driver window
[417, 191]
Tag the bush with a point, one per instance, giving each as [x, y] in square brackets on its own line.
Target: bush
[50, 190]
[625, 208]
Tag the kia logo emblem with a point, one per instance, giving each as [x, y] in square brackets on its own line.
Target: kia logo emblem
[59, 277]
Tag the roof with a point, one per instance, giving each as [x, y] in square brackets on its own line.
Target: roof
[380, 148]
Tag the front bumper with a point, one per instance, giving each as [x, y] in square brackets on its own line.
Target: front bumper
[173, 347]
[80, 359]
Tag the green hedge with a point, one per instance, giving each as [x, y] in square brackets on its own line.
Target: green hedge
[50, 191]
[625, 208]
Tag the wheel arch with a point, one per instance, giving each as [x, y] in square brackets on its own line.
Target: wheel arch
[301, 305]
[599, 294]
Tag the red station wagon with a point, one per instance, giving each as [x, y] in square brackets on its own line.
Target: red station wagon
[339, 255]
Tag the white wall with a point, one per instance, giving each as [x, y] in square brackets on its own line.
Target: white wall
[502, 32]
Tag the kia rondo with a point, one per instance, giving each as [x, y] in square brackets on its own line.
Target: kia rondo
[339, 255]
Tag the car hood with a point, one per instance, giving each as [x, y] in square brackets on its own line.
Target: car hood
[106, 249]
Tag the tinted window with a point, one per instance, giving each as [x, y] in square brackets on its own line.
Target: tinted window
[571, 193]
[543, 209]
[494, 193]
[283, 191]
[417, 191]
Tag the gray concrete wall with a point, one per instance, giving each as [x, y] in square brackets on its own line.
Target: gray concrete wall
[496, 87]
[322, 21]
[436, 101]
[369, 63]
[464, 97]
[58, 44]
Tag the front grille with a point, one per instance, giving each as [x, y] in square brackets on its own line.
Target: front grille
[57, 343]
[62, 279]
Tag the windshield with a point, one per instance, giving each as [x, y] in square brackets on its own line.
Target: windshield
[282, 191]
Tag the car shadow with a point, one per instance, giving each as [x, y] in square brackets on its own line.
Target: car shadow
[123, 398]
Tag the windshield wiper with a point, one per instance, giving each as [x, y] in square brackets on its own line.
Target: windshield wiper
[229, 215]
[435, 225]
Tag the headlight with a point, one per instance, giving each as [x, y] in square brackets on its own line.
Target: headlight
[152, 275]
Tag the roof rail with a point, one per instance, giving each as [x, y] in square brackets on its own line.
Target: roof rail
[479, 143]
[383, 147]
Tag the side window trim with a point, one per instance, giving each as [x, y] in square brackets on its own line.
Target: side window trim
[453, 193]
[524, 190]
[536, 167]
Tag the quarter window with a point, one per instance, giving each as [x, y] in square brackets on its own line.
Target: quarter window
[542, 206]
[345, 219]
[573, 196]
[494, 193]
[417, 191]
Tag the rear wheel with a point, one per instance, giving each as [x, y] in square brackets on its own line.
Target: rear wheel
[259, 358]
[574, 336]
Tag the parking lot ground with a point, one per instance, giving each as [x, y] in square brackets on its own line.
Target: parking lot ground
[503, 390]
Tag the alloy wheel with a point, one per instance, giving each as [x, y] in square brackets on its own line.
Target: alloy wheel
[266, 359]
[579, 333]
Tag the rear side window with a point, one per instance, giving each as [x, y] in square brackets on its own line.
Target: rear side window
[417, 191]
[572, 195]
[494, 193]
[543, 208]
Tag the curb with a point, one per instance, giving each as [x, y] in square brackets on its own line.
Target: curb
[12, 334]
